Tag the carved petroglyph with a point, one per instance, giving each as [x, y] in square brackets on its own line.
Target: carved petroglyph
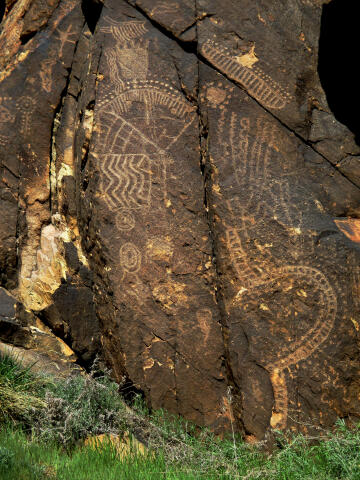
[23, 105]
[65, 37]
[253, 79]
[19, 55]
[127, 180]
[46, 74]
[26, 106]
[130, 257]
[165, 8]
[204, 318]
[146, 116]
[124, 31]
[252, 153]
[128, 62]
[6, 116]
[56, 53]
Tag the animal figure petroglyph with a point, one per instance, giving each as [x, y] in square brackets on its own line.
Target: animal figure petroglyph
[251, 160]
[259, 85]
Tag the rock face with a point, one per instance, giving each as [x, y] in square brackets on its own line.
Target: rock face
[178, 198]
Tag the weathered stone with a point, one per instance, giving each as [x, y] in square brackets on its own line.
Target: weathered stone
[42, 362]
[27, 338]
[179, 198]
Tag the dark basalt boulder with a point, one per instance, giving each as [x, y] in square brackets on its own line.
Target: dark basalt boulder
[178, 198]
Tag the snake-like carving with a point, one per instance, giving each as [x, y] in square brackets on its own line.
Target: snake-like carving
[251, 156]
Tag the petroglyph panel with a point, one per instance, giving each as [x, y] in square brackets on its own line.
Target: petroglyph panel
[276, 290]
[151, 201]
[259, 85]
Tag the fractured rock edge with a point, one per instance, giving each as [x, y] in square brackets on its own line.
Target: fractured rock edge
[202, 141]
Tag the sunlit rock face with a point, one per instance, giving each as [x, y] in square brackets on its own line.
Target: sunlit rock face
[177, 197]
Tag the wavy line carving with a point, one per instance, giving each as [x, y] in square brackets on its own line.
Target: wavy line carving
[251, 160]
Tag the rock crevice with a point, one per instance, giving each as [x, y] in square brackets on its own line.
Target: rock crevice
[183, 202]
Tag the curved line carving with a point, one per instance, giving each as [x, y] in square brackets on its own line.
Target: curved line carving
[251, 160]
[254, 80]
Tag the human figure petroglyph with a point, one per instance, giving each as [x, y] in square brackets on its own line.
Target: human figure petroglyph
[65, 37]
[259, 270]
[259, 85]
[55, 53]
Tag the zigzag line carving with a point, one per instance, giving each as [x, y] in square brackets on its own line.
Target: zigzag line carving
[126, 180]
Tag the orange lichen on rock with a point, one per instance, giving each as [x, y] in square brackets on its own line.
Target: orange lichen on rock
[350, 227]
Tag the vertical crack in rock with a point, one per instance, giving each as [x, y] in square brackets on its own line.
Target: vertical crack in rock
[205, 168]
[53, 175]
[228, 67]
[206, 171]
[42, 251]
[150, 233]
[92, 10]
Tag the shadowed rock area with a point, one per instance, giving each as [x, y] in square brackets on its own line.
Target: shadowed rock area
[178, 198]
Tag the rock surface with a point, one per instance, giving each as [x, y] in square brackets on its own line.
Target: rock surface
[178, 198]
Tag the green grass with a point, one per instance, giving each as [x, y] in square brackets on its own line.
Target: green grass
[21, 391]
[43, 423]
[78, 407]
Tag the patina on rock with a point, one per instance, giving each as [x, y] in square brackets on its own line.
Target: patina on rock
[179, 199]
